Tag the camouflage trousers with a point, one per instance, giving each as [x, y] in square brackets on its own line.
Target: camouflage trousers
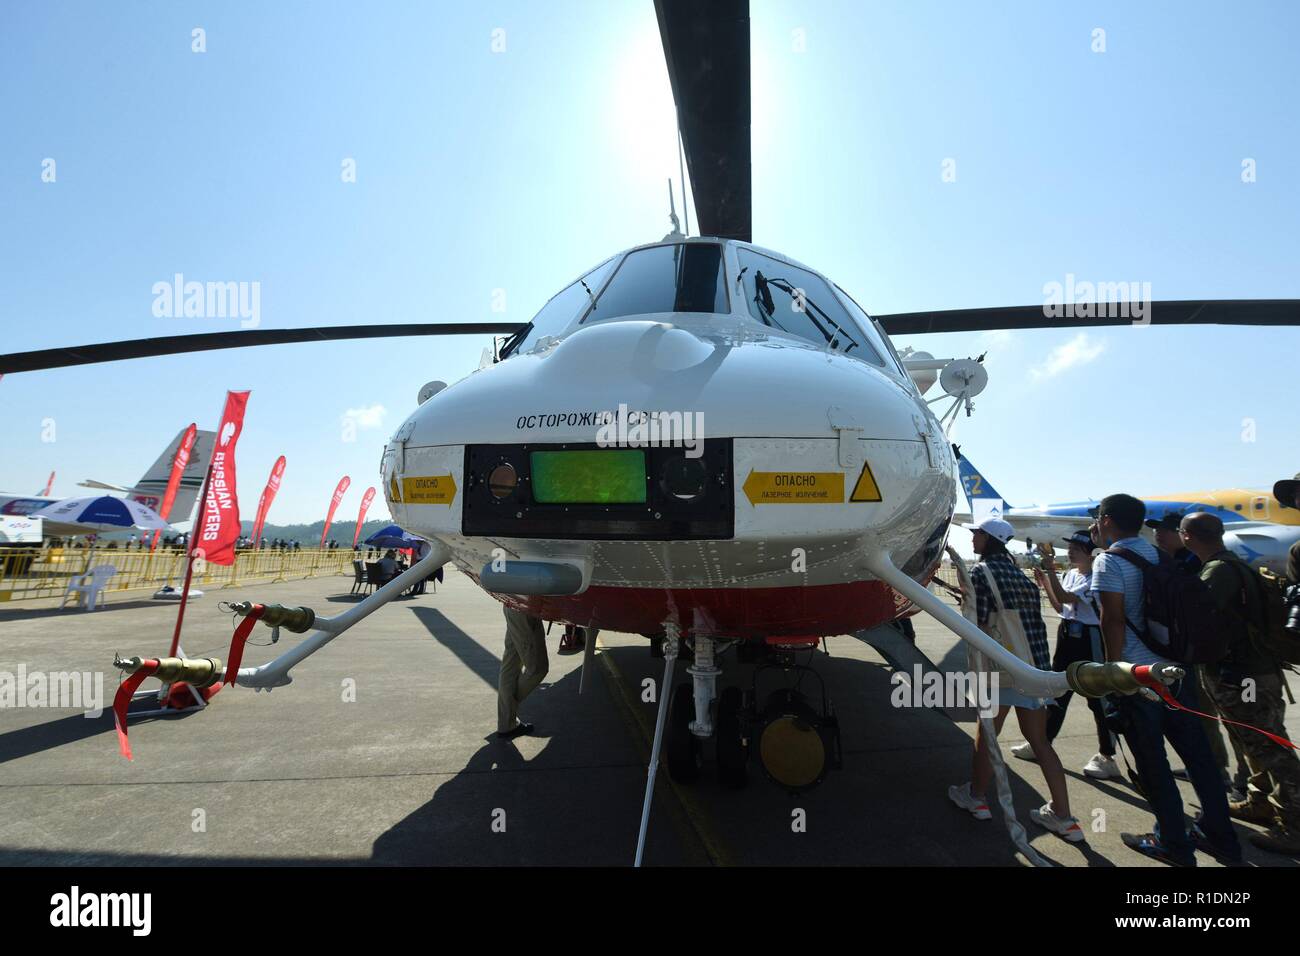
[1274, 769]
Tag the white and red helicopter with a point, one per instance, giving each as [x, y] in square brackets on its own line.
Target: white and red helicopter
[699, 440]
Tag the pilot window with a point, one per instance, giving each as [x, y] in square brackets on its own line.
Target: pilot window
[682, 277]
[875, 338]
[562, 309]
[794, 300]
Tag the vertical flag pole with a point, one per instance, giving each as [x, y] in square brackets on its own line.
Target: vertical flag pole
[189, 562]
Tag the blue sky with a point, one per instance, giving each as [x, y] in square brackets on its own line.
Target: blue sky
[479, 171]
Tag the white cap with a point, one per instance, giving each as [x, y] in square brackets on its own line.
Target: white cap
[996, 527]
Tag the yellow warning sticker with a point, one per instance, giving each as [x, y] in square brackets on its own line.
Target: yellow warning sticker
[394, 493]
[795, 488]
[431, 490]
[866, 489]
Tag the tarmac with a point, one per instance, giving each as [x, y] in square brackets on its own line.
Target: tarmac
[381, 753]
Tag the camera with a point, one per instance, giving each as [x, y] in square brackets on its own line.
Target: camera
[1293, 609]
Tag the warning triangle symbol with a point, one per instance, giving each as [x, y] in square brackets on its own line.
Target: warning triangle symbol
[866, 489]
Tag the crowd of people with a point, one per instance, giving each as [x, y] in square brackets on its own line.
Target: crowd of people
[1116, 601]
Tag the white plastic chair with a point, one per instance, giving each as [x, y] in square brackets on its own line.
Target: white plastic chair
[89, 587]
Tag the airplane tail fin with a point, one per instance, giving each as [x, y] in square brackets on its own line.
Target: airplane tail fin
[150, 489]
[976, 486]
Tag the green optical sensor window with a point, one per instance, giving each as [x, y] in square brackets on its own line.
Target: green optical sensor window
[603, 477]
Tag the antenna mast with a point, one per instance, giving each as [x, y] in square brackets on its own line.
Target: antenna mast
[672, 213]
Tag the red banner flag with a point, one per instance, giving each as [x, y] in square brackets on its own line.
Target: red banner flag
[368, 497]
[219, 516]
[179, 464]
[334, 503]
[268, 496]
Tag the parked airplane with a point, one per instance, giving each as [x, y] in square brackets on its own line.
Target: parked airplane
[1258, 528]
[148, 490]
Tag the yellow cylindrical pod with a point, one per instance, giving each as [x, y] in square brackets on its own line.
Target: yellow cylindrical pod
[299, 620]
[1097, 680]
[198, 672]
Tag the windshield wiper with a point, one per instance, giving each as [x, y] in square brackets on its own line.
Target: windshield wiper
[508, 345]
[763, 296]
[785, 286]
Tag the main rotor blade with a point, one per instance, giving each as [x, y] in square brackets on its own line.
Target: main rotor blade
[1190, 312]
[208, 341]
[706, 47]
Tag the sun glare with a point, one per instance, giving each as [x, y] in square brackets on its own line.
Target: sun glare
[643, 128]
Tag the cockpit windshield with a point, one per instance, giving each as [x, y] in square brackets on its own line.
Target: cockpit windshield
[794, 300]
[680, 277]
[692, 277]
[560, 311]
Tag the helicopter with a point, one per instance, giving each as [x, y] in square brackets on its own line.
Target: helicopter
[699, 440]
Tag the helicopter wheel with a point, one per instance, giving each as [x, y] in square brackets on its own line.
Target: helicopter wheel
[732, 752]
[682, 751]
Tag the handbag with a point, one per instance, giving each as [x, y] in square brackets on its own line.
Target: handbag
[1005, 627]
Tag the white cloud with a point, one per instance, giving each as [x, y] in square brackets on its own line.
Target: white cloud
[369, 417]
[1080, 350]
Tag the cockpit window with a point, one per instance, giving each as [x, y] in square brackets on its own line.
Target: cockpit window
[875, 334]
[800, 302]
[560, 311]
[681, 277]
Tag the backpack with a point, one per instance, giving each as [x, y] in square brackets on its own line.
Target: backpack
[1180, 612]
[1269, 636]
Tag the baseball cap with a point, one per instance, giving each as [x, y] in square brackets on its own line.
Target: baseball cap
[1284, 491]
[1081, 538]
[996, 527]
[1171, 521]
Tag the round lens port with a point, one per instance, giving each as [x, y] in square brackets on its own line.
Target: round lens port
[684, 478]
[502, 481]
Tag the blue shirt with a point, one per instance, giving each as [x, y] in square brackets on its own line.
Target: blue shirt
[1112, 573]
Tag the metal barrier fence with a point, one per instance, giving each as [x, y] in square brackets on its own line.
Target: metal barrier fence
[31, 573]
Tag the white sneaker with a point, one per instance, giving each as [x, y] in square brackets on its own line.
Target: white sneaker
[1101, 767]
[1066, 827]
[973, 805]
[1024, 752]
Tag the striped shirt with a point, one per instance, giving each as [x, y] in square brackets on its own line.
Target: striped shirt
[1021, 595]
[1112, 573]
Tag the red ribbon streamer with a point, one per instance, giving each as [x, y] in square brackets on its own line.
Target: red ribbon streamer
[1143, 673]
[124, 692]
[237, 642]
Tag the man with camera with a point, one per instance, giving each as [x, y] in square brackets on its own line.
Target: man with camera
[1287, 493]
[1247, 686]
[1120, 586]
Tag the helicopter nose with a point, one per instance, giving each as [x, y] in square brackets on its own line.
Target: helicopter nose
[743, 383]
[641, 351]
